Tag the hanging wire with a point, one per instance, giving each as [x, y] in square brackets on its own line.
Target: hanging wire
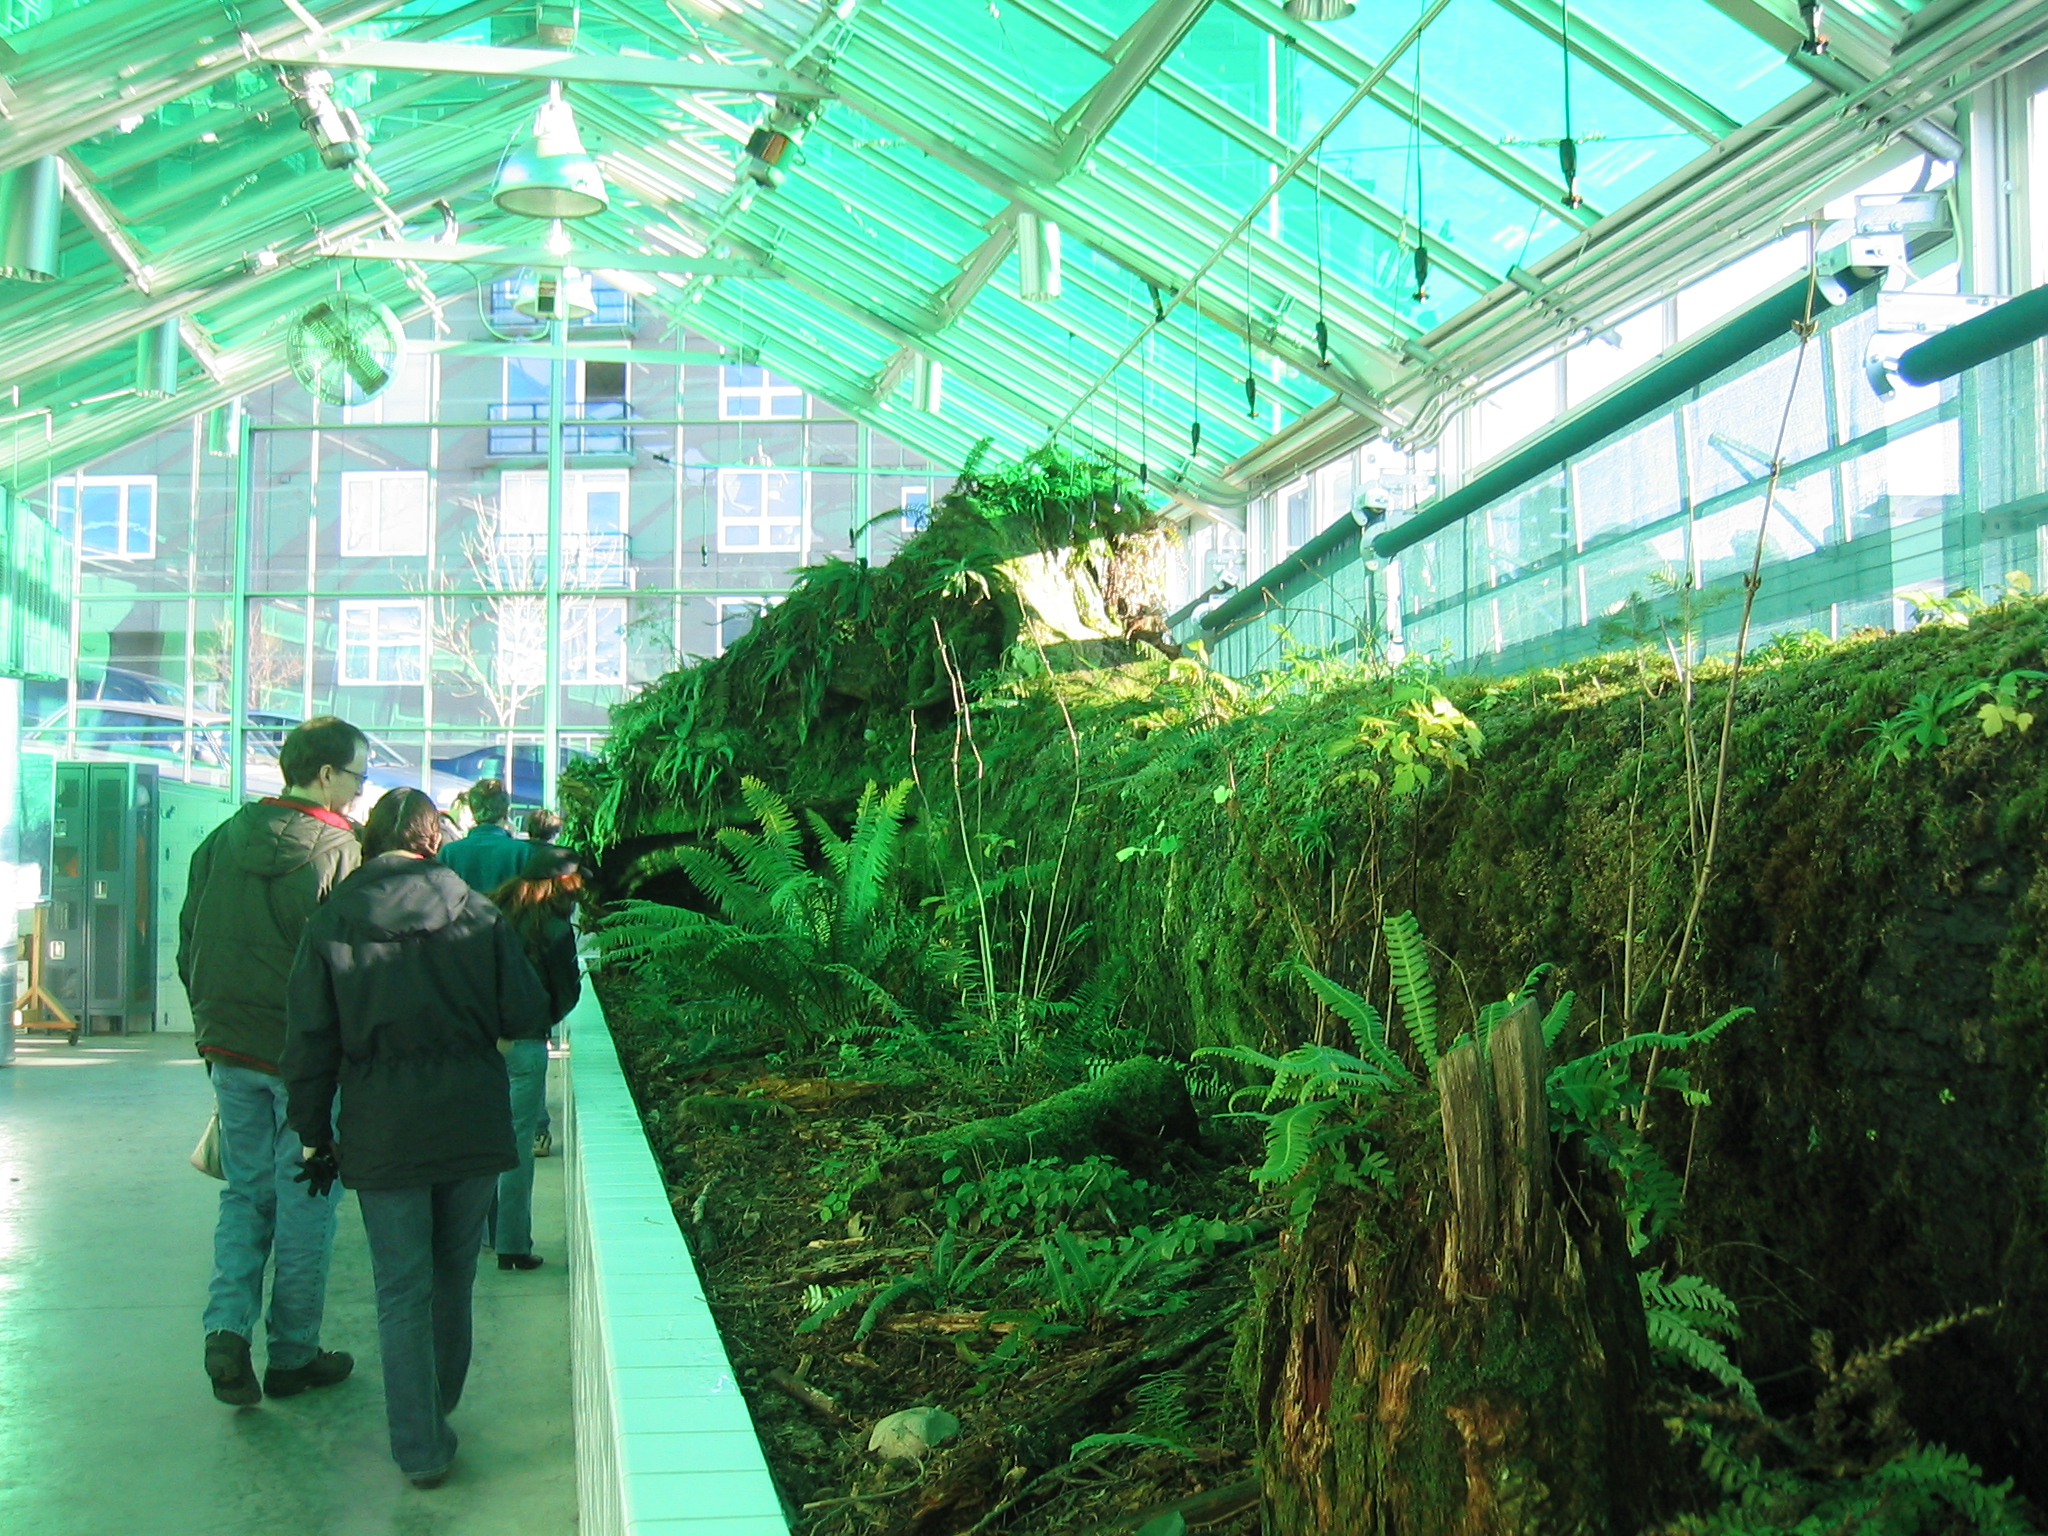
[1568, 146]
[1415, 167]
[1322, 323]
[1195, 379]
[1251, 363]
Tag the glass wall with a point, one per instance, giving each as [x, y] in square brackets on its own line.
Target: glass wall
[470, 578]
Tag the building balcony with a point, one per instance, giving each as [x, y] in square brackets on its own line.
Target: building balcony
[588, 427]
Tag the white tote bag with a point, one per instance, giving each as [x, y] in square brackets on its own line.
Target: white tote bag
[206, 1156]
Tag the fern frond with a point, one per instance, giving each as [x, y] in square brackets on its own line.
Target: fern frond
[872, 853]
[830, 843]
[1408, 960]
[1560, 1014]
[1678, 1340]
[717, 878]
[1630, 1045]
[1367, 1027]
[1290, 1140]
[650, 930]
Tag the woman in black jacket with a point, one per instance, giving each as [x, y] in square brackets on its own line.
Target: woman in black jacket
[537, 903]
[408, 988]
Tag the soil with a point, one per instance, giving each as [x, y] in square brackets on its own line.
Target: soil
[763, 1159]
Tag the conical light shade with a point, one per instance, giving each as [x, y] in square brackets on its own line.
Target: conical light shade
[551, 175]
[31, 199]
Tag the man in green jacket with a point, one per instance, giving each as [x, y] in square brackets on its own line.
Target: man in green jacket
[489, 855]
[255, 883]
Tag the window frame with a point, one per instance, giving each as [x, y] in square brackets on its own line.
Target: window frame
[72, 520]
[586, 613]
[350, 608]
[771, 388]
[729, 474]
[417, 547]
[903, 495]
[721, 605]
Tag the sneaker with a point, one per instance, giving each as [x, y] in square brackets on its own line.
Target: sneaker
[543, 1143]
[326, 1369]
[432, 1479]
[228, 1368]
[520, 1261]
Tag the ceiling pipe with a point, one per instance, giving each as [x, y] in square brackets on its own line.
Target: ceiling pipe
[1994, 333]
[1686, 369]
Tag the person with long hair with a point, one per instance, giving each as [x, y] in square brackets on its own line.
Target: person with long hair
[408, 991]
[537, 903]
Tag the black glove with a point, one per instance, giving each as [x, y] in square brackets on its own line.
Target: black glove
[318, 1172]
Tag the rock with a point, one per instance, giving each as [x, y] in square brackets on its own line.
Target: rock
[911, 1434]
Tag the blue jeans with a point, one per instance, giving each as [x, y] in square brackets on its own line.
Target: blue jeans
[512, 1215]
[265, 1216]
[423, 1248]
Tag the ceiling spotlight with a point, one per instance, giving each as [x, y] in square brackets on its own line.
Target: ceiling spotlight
[551, 175]
[1877, 371]
[564, 295]
[336, 131]
[31, 201]
[1319, 10]
[1038, 259]
[769, 145]
[554, 23]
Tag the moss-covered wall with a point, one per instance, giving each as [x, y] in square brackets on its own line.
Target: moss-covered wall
[1873, 1156]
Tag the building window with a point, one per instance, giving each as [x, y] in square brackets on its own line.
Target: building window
[382, 643]
[383, 512]
[595, 548]
[614, 307]
[1299, 511]
[755, 394]
[760, 509]
[593, 635]
[113, 517]
[408, 398]
[917, 508]
[733, 617]
[593, 392]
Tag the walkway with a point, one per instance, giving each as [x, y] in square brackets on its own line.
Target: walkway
[107, 1424]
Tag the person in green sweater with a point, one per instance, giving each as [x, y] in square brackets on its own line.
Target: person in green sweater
[255, 883]
[489, 855]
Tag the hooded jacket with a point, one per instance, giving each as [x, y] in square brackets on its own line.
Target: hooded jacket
[406, 982]
[255, 883]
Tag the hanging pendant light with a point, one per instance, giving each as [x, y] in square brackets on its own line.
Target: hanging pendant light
[156, 360]
[563, 295]
[928, 386]
[1319, 10]
[551, 175]
[1038, 259]
[31, 197]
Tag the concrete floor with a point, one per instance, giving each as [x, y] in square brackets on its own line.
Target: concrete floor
[108, 1426]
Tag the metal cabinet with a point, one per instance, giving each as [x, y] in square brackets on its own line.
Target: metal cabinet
[101, 935]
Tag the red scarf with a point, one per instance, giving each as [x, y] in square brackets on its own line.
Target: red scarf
[317, 812]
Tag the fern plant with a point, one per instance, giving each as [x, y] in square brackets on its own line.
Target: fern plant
[817, 953]
[1688, 1318]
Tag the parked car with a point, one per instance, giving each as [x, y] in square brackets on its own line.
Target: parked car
[157, 732]
[489, 762]
[41, 698]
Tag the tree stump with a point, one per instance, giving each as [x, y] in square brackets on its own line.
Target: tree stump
[1464, 1357]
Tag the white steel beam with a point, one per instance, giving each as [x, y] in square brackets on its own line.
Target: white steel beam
[543, 64]
[482, 254]
[1138, 54]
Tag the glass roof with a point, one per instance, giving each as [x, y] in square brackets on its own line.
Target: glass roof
[1151, 133]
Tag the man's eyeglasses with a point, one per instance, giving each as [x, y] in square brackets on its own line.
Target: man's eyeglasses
[360, 778]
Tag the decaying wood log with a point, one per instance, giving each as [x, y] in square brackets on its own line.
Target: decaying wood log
[1465, 1358]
